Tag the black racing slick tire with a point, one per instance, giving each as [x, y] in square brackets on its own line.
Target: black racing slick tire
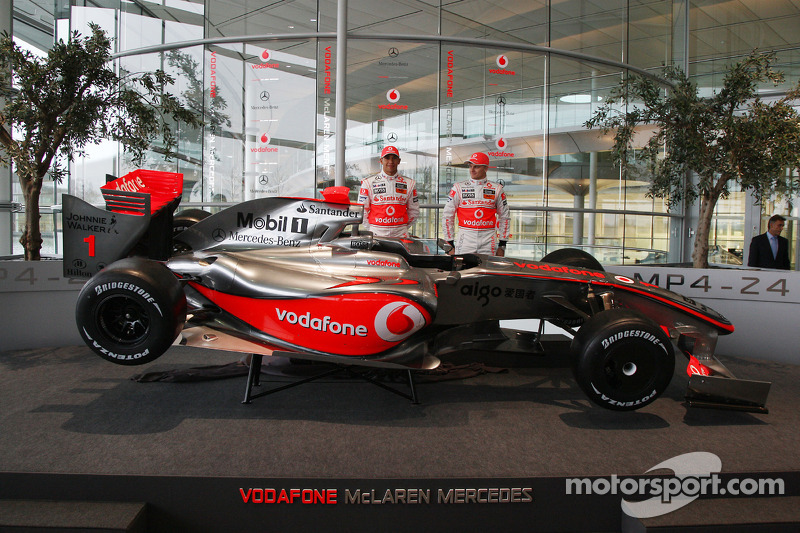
[183, 221]
[187, 218]
[131, 312]
[572, 257]
[622, 359]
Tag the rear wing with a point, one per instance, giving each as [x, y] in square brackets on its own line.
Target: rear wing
[137, 220]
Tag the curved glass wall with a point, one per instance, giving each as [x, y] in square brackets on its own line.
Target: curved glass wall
[471, 81]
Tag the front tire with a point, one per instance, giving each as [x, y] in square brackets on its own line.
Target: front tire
[622, 359]
[131, 312]
[572, 257]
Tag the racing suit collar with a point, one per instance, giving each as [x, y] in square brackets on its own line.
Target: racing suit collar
[390, 176]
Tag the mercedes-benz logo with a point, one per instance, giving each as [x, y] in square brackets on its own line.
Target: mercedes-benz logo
[263, 179]
[392, 137]
[394, 52]
[264, 96]
[501, 100]
[218, 235]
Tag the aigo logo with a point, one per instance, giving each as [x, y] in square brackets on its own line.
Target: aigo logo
[397, 321]
[502, 61]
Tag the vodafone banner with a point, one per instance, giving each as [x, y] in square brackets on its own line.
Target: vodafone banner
[276, 124]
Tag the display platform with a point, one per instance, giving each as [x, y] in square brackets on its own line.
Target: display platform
[495, 450]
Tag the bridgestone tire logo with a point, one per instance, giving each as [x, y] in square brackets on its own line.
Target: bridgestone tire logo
[633, 333]
[125, 286]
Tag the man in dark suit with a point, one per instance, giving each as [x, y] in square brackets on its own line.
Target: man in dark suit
[770, 250]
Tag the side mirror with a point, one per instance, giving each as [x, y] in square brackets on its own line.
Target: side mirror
[454, 274]
[444, 245]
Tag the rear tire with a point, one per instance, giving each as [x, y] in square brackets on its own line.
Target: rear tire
[131, 312]
[622, 359]
[572, 257]
[183, 221]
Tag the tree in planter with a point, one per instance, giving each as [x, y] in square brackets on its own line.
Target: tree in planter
[72, 98]
[729, 137]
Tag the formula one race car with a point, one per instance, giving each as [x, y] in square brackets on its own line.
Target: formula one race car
[295, 277]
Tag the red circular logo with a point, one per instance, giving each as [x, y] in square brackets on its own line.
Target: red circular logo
[265, 138]
[393, 95]
[265, 56]
[501, 143]
[502, 61]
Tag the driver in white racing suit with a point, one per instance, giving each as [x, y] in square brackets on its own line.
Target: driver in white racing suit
[390, 200]
[483, 216]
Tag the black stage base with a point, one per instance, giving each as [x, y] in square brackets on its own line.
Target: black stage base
[200, 504]
[502, 448]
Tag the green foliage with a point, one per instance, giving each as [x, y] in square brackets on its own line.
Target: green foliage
[732, 136]
[59, 104]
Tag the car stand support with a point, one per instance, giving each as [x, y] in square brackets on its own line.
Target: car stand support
[254, 380]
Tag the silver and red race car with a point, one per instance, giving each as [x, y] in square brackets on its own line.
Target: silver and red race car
[295, 277]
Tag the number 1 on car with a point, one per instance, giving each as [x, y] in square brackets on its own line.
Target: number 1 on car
[90, 240]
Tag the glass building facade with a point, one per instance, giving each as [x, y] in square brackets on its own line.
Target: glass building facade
[439, 80]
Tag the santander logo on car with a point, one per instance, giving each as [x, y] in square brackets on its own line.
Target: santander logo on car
[397, 321]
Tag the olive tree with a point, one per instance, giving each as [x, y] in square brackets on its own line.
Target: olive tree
[56, 106]
[704, 145]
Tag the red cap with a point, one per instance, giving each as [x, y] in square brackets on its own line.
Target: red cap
[390, 150]
[479, 158]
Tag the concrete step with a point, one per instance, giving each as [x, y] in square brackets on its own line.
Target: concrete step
[71, 516]
[724, 515]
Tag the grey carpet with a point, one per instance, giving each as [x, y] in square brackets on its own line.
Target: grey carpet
[65, 410]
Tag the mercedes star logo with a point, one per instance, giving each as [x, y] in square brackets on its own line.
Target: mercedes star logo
[392, 137]
[264, 96]
[218, 235]
[501, 100]
[394, 52]
[263, 179]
